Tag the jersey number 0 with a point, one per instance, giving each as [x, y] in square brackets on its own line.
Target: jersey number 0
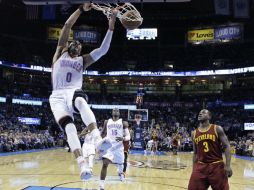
[68, 77]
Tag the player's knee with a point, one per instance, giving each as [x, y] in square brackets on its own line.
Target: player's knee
[105, 163]
[80, 100]
[63, 122]
[70, 128]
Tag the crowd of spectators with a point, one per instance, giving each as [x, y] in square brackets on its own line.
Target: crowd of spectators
[178, 122]
[164, 122]
[243, 146]
[12, 141]
[15, 136]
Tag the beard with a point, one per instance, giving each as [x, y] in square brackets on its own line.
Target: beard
[202, 120]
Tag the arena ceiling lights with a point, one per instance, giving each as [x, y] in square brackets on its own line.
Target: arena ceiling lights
[140, 73]
[48, 2]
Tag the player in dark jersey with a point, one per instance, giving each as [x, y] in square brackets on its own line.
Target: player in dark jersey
[175, 144]
[209, 141]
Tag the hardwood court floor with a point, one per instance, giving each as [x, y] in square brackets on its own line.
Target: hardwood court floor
[58, 168]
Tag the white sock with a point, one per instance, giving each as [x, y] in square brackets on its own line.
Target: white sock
[120, 168]
[81, 161]
[86, 162]
[102, 184]
[96, 136]
[90, 162]
[72, 137]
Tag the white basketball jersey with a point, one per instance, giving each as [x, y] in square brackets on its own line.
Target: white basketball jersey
[67, 72]
[114, 129]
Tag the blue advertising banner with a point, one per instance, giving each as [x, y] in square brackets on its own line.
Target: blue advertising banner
[29, 121]
[138, 139]
[27, 102]
[86, 36]
[246, 104]
[228, 33]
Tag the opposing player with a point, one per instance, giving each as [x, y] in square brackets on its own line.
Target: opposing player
[67, 78]
[116, 131]
[209, 140]
[175, 144]
[155, 142]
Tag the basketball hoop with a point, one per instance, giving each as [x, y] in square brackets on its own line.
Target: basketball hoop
[127, 13]
[138, 119]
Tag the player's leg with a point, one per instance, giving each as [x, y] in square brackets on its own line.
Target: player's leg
[80, 105]
[105, 163]
[120, 171]
[65, 119]
[218, 178]
[90, 160]
[125, 162]
[153, 149]
[156, 146]
[174, 150]
[85, 152]
[198, 179]
[118, 157]
[88, 149]
[90, 154]
[74, 143]
[149, 148]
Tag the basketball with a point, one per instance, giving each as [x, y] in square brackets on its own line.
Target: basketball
[129, 21]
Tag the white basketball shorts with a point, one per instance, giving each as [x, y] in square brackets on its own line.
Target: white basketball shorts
[61, 105]
[115, 154]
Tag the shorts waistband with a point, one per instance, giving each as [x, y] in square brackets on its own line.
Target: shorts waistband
[63, 90]
[215, 162]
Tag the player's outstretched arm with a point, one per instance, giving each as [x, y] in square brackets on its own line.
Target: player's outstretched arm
[96, 54]
[225, 143]
[194, 148]
[65, 32]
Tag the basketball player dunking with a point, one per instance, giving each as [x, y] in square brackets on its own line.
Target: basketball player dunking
[116, 131]
[67, 78]
[209, 140]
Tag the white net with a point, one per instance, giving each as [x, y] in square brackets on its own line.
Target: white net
[106, 8]
[138, 119]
